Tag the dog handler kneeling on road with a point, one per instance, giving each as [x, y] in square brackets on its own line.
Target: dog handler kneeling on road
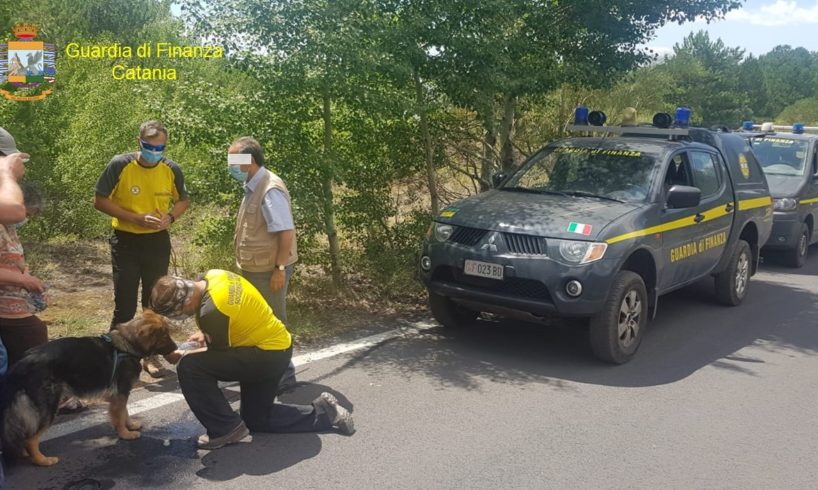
[245, 342]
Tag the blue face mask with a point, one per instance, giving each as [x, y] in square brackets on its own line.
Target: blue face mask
[151, 153]
[236, 173]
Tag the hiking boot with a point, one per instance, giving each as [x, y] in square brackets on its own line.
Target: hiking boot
[339, 416]
[240, 432]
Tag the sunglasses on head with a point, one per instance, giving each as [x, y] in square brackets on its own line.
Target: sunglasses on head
[151, 147]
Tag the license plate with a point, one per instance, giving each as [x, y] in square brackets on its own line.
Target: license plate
[483, 269]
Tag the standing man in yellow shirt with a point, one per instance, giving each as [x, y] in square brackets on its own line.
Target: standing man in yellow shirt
[144, 193]
[242, 340]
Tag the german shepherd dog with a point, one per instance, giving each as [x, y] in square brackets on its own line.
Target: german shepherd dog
[88, 367]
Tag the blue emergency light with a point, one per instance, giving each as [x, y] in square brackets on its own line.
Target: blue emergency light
[597, 118]
[683, 117]
[581, 115]
[798, 128]
[747, 125]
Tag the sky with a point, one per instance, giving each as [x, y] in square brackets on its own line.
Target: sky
[758, 27]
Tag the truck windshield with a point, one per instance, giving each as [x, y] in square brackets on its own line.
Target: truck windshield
[611, 174]
[782, 156]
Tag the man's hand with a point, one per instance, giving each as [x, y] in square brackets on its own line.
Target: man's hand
[149, 221]
[277, 280]
[32, 284]
[197, 337]
[174, 357]
[14, 165]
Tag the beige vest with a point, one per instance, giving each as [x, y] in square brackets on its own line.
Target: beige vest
[257, 248]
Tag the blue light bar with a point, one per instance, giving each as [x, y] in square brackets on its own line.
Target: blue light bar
[683, 117]
[747, 125]
[798, 128]
[581, 115]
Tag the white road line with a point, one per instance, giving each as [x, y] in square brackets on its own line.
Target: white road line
[163, 399]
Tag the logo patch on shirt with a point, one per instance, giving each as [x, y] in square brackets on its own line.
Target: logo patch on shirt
[135, 190]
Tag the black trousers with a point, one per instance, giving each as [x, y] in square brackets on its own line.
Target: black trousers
[258, 372]
[136, 257]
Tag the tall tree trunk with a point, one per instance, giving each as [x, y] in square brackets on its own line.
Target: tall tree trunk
[489, 144]
[431, 175]
[507, 133]
[326, 191]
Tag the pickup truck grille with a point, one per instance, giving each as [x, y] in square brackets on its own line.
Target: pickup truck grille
[467, 236]
[525, 244]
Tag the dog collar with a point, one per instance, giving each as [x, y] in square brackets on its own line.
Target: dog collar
[118, 356]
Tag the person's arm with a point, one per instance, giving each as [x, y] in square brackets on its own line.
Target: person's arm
[12, 169]
[21, 279]
[279, 218]
[182, 199]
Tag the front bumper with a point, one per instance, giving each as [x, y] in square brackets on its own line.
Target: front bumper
[532, 285]
[786, 231]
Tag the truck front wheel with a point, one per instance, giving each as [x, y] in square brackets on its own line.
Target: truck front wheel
[797, 256]
[448, 313]
[733, 282]
[617, 330]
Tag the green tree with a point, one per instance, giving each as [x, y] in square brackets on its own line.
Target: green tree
[789, 75]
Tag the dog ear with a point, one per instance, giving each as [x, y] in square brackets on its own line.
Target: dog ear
[152, 317]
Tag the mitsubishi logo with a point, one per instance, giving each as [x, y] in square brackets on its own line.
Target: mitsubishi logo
[490, 246]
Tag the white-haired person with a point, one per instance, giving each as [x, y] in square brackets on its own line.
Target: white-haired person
[241, 340]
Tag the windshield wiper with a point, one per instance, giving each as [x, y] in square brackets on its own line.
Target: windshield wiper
[591, 194]
[533, 191]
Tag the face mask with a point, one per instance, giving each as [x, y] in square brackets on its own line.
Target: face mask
[20, 224]
[151, 153]
[236, 173]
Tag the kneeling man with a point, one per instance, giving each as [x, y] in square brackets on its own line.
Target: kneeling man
[241, 341]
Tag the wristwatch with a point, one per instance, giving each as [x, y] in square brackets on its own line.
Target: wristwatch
[281, 267]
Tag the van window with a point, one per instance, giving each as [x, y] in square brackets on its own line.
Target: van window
[705, 175]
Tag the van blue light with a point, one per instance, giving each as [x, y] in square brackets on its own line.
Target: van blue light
[747, 125]
[683, 117]
[798, 128]
[581, 115]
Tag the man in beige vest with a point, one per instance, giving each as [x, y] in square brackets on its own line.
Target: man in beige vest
[264, 240]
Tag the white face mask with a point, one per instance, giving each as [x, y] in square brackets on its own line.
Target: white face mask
[18, 225]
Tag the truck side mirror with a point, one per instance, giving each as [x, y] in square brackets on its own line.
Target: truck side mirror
[498, 179]
[683, 196]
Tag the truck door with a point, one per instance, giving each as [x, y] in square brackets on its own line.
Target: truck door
[717, 209]
[695, 237]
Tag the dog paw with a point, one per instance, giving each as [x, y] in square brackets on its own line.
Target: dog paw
[133, 424]
[45, 460]
[129, 435]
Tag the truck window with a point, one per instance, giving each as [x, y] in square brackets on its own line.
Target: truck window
[705, 176]
[678, 172]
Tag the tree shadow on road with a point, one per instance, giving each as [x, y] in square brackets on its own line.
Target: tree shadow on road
[691, 331]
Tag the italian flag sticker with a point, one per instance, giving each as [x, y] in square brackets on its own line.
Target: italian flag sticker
[580, 228]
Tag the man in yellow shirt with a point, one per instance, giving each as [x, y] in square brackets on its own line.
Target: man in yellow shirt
[144, 193]
[242, 340]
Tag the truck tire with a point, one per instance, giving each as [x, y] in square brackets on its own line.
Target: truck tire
[732, 283]
[617, 330]
[797, 257]
[448, 313]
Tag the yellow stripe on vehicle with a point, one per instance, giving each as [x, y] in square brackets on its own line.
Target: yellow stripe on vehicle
[810, 201]
[709, 215]
[758, 202]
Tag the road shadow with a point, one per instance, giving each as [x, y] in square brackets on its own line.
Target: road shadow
[691, 331]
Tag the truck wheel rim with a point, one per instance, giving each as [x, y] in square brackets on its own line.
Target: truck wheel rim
[742, 274]
[802, 245]
[630, 316]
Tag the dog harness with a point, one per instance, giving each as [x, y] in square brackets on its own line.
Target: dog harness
[119, 356]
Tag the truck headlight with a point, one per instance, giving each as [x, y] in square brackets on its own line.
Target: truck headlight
[785, 204]
[576, 252]
[443, 232]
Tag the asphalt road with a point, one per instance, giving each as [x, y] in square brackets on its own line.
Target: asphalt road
[717, 398]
